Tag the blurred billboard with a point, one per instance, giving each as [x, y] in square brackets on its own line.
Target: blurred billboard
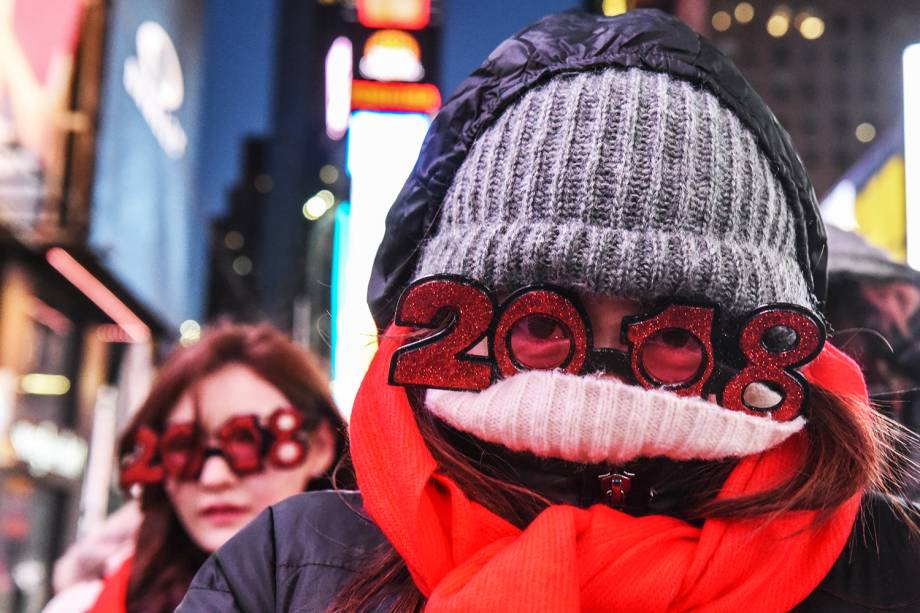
[870, 197]
[147, 223]
[381, 92]
[38, 41]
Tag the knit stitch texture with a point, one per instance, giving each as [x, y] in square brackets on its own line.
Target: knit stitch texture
[629, 183]
[591, 420]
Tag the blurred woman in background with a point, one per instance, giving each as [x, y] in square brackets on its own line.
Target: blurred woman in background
[237, 422]
[874, 305]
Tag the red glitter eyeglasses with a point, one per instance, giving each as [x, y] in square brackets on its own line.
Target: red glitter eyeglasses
[181, 451]
[687, 348]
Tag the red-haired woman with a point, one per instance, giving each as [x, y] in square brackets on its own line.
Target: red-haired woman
[623, 398]
[237, 422]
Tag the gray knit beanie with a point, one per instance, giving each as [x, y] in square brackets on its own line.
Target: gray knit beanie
[621, 182]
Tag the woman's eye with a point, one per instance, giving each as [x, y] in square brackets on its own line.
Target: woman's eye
[539, 342]
[181, 443]
[241, 444]
[178, 451]
[241, 436]
[675, 338]
[672, 357]
[544, 328]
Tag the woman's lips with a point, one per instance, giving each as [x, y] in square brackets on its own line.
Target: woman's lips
[223, 514]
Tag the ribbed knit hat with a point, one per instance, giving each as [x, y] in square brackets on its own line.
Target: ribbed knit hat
[622, 182]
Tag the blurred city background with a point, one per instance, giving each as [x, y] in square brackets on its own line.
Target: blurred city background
[165, 164]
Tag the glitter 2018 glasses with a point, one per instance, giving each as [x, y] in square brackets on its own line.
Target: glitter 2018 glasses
[687, 348]
[181, 451]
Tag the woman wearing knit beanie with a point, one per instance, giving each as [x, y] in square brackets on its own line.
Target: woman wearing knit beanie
[603, 381]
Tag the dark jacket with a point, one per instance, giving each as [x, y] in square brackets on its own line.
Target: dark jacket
[297, 555]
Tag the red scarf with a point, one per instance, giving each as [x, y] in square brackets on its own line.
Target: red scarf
[114, 594]
[465, 558]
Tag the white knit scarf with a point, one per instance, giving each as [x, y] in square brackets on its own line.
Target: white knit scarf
[589, 419]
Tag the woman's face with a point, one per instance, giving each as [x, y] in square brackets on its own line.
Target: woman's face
[220, 502]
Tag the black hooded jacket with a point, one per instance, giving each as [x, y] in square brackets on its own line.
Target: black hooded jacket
[299, 554]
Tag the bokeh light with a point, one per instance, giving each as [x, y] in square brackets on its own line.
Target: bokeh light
[242, 265]
[778, 23]
[812, 28]
[721, 21]
[865, 132]
[744, 12]
[234, 240]
[328, 174]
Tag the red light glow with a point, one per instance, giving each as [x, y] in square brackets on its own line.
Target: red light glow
[99, 294]
[400, 14]
[402, 97]
[112, 333]
[50, 318]
[392, 55]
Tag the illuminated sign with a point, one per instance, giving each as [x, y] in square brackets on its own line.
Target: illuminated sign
[869, 199]
[338, 87]
[399, 97]
[391, 111]
[392, 55]
[99, 294]
[48, 450]
[403, 14]
[839, 207]
[880, 212]
[381, 151]
[7, 409]
[37, 44]
[912, 151]
[153, 79]
[44, 384]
